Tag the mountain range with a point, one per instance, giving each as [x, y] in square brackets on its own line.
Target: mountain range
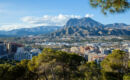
[30, 31]
[88, 27]
[74, 27]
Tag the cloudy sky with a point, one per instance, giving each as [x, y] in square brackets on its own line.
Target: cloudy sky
[16, 14]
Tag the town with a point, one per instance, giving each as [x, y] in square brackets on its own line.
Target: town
[90, 51]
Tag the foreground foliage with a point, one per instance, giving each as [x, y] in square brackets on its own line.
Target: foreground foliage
[112, 6]
[59, 65]
[116, 66]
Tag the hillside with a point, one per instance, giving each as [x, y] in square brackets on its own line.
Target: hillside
[30, 31]
[88, 27]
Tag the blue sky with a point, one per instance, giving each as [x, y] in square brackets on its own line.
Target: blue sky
[29, 13]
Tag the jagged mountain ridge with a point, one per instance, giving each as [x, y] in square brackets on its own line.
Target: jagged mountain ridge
[83, 22]
[87, 26]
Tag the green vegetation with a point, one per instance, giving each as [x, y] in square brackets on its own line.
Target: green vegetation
[115, 66]
[112, 6]
[59, 65]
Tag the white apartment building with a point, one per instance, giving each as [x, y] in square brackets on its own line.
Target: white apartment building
[21, 54]
[129, 51]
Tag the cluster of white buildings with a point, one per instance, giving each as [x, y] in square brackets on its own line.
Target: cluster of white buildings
[97, 52]
[25, 54]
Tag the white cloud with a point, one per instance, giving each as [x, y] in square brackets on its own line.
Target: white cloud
[89, 15]
[47, 20]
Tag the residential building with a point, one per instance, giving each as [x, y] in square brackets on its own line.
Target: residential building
[2, 48]
[21, 54]
[96, 57]
[12, 47]
[129, 51]
[75, 49]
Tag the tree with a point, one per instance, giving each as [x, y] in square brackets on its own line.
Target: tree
[22, 68]
[112, 6]
[19, 71]
[115, 65]
[10, 72]
[56, 65]
[3, 71]
[90, 71]
[127, 76]
[69, 63]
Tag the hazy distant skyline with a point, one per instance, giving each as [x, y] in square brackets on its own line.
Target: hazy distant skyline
[16, 14]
